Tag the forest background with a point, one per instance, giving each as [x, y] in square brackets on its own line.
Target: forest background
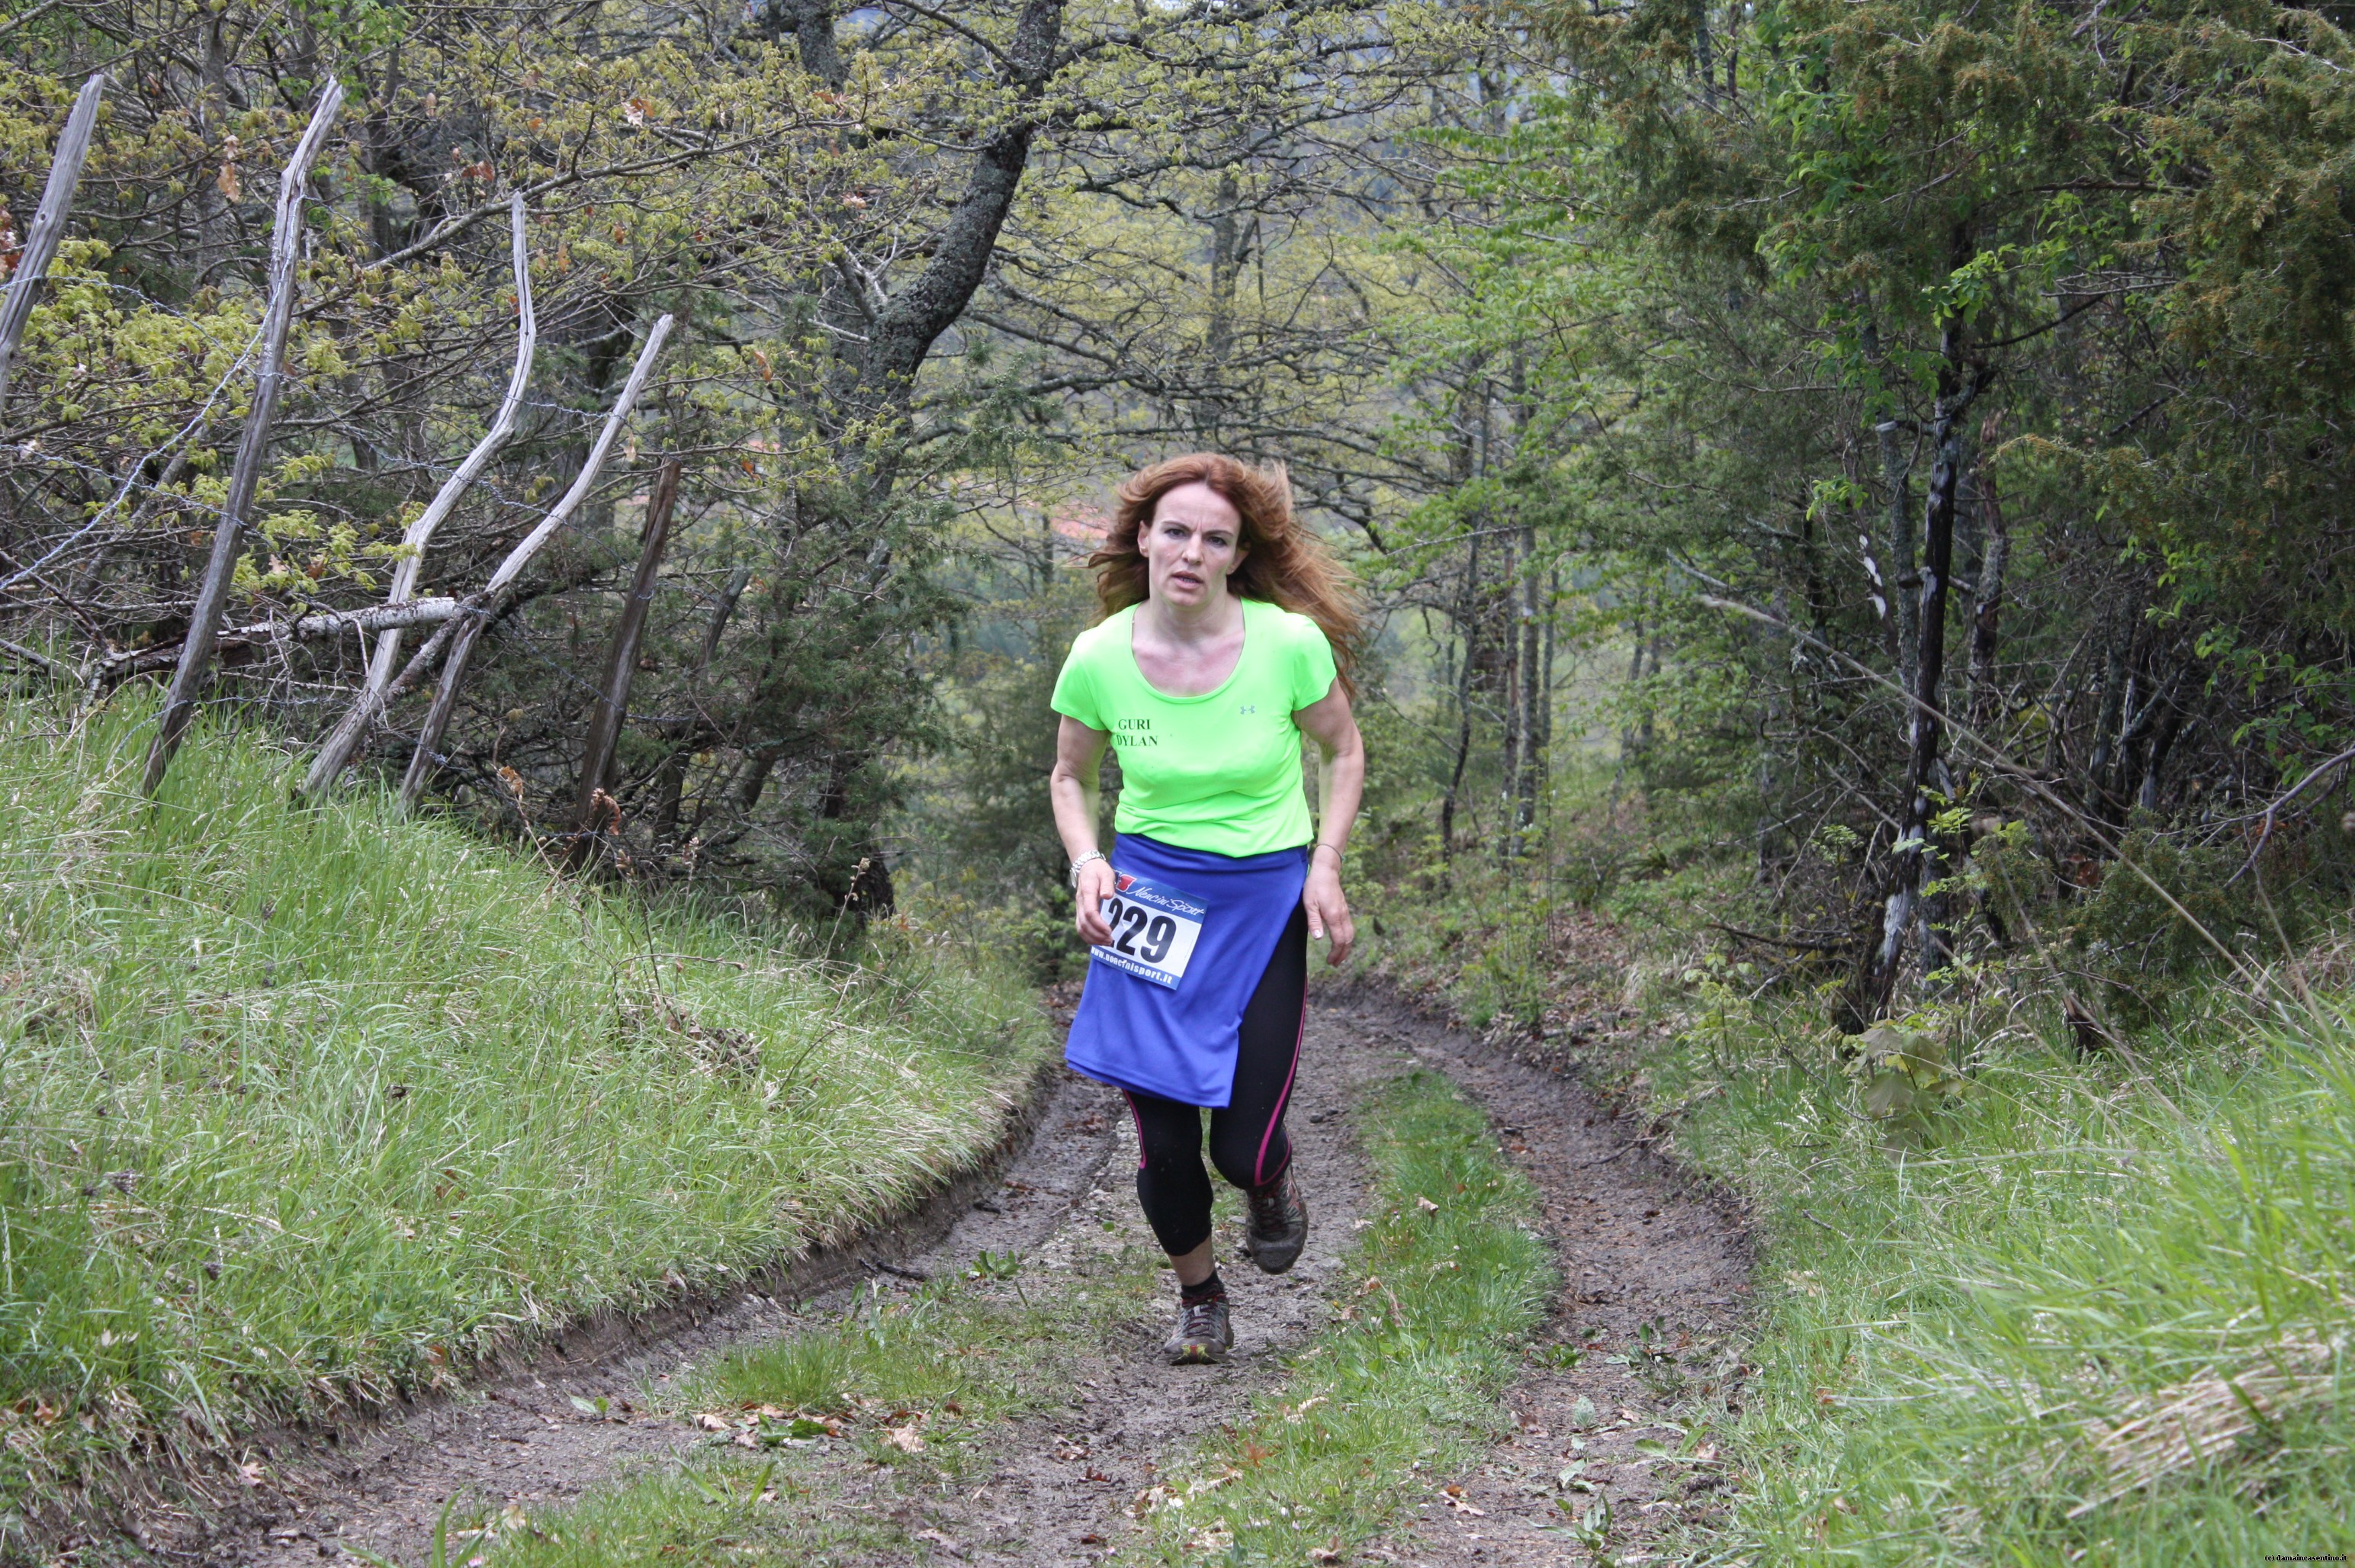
[1852, 492]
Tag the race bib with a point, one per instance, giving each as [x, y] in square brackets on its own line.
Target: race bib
[1154, 929]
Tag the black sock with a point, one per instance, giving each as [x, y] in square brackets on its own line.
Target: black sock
[1210, 1289]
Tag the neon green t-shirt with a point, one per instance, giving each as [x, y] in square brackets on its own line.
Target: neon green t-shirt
[1220, 771]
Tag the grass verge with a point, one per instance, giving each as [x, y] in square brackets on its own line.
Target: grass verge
[310, 1107]
[1450, 1275]
[2039, 1310]
[2076, 1313]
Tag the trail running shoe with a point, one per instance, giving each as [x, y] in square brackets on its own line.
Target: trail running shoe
[1279, 1225]
[1203, 1334]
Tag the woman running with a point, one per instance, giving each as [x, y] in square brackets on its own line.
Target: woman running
[1223, 618]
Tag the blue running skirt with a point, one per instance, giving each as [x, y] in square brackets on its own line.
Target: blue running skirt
[1134, 1032]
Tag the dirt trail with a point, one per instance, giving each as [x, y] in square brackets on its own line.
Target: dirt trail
[1638, 1248]
[1655, 1277]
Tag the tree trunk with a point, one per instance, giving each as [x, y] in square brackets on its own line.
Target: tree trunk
[493, 599]
[1987, 611]
[1897, 572]
[1510, 640]
[339, 746]
[811, 22]
[1630, 744]
[1529, 758]
[1468, 628]
[1926, 775]
[245, 474]
[48, 229]
[1226, 268]
[621, 670]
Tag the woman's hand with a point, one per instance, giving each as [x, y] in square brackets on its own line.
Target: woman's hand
[1327, 722]
[1328, 912]
[1095, 886]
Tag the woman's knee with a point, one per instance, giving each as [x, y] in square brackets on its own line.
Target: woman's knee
[1250, 1156]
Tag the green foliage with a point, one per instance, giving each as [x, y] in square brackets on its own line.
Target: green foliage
[315, 1106]
[1904, 1080]
[1478, 936]
[990, 863]
[1734, 269]
[2143, 949]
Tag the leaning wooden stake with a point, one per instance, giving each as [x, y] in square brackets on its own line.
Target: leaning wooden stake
[49, 226]
[204, 621]
[486, 604]
[345, 739]
[613, 692]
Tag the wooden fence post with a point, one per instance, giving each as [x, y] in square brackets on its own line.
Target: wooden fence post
[48, 227]
[613, 692]
[493, 595]
[345, 739]
[212, 594]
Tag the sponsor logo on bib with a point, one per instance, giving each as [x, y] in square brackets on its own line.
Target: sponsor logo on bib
[1154, 929]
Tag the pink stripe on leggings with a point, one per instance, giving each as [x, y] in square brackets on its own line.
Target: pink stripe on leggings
[1259, 1166]
[1138, 1118]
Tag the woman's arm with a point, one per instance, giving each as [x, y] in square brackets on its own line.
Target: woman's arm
[1329, 723]
[1071, 786]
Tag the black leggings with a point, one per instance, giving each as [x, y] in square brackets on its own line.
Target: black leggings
[1248, 1143]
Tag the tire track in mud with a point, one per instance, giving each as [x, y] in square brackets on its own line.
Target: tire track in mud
[1656, 1279]
[1637, 1244]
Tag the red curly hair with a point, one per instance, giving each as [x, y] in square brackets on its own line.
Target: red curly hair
[1287, 563]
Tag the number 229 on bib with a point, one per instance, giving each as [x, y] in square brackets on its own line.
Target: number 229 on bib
[1154, 929]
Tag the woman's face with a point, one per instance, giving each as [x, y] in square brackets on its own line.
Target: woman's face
[1193, 541]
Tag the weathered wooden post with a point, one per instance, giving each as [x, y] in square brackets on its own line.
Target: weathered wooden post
[613, 691]
[494, 596]
[48, 227]
[204, 621]
[345, 739]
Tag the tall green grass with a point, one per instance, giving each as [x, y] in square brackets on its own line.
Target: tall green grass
[307, 1106]
[2096, 1314]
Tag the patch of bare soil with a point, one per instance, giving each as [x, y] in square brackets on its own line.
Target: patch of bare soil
[1061, 1484]
[1655, 1278]
[1654, 1274]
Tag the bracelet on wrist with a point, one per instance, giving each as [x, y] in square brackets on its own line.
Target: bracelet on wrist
[1082, 860]
[1337, 857]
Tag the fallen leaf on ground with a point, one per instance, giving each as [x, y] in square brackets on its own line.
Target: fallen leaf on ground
[905, 1438]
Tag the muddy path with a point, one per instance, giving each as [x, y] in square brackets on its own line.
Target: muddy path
[1654, 1276]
